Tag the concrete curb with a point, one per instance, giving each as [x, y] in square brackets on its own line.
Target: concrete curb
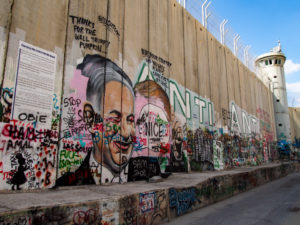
[135, 202]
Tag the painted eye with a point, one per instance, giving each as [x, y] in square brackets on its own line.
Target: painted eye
[113, 120]
[116, 120]
[130, 118]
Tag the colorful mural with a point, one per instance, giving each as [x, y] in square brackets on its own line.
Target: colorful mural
[109, 110]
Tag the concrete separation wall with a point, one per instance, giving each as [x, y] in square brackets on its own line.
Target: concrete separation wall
[146, 203]
[294, 114]
[109, 91]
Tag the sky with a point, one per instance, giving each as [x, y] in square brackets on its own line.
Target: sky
[261, 23]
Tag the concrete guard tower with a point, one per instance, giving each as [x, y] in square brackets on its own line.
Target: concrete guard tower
[271, 70]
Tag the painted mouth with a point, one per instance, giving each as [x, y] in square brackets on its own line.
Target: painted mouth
[123, 146]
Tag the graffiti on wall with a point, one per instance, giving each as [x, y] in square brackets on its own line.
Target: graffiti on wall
[111, 128]
[5, 104]
[187, 109]
[100, 119]
[28, 156]
[182, 201]
[152, 119]
[218, 155]
[153, 207]
[241, 122]
[85, 33]
[265, 124]
[29, 128]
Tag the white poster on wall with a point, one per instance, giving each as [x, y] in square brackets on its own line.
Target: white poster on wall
[34, 86]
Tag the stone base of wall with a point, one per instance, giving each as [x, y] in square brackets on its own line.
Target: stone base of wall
[154, 206]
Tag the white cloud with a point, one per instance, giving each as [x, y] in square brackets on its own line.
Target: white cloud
[294, 101]
[297, 102]
[293, 90]
[293, 87]
[291, 67]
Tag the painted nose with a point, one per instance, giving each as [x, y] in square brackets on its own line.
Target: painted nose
[125, 128]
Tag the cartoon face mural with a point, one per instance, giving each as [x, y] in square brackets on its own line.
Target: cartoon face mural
[108, 114]
[153, 115]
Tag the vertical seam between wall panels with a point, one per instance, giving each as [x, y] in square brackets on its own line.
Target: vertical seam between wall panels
[6, 46]
[198, 91]
[120, 158]
[238, 66]
[122, 64]
[62, 86]
[197, 58]
[148, 106]
[169, 5]
[184, 74]
[104, 92]
[208, 61]
[228, 100]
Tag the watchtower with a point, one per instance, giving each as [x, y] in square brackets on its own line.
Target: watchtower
[270, 67]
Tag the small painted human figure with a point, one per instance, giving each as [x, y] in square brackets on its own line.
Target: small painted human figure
[19, 177]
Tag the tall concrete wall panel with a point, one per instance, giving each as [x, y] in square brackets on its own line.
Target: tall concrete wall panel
[243, 86]
[251, 92]
[115, 37]
[203, 65]
[190, 53]
[294, 114]
[136, 36]
[31, 92]
[230, 71]
[113, 91]
[236, 81]
[222, 77]
[5, 20]
[214, 69]
[176, 42]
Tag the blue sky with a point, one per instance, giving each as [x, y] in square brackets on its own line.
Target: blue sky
[261, 23]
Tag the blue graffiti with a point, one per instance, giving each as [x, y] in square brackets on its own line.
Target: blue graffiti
[55, 102]
[297, 143]
[183, 200]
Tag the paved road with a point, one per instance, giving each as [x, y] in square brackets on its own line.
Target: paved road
[277, 203]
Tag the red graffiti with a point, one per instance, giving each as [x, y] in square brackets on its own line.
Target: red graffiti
[38, 173]
[27, 133]
[79, 174]
[2, 145]
[6, 175]
[82, 217]
[164, 148]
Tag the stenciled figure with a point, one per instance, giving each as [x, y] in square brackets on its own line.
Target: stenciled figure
[109, 116]
[19, 177]
[178, 141]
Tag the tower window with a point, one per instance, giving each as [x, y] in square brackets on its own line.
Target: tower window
[275, 61]
[279, 61]
[270, 61]
[275, 76]
[277, 100]
[280, 124]
[266, 62]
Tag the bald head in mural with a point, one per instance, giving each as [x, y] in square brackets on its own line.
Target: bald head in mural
[109, 117]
